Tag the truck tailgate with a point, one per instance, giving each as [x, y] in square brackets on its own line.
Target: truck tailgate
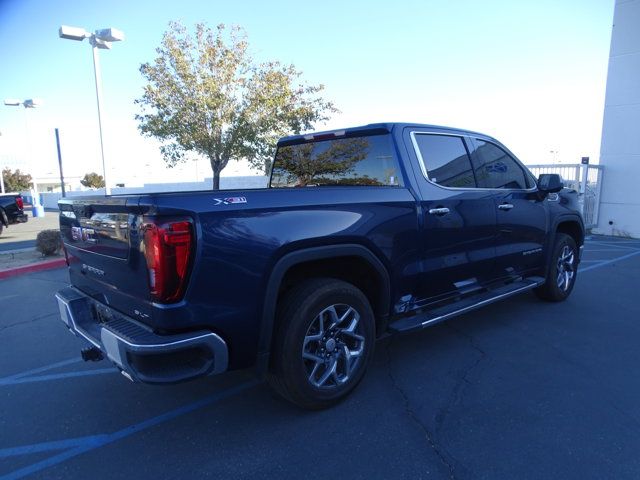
[102, 241]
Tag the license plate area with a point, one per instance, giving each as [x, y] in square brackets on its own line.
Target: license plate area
[87, 321]
[102, 314]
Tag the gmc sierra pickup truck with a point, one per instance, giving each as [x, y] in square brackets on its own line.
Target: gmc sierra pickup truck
[11, 210]
[362, 232]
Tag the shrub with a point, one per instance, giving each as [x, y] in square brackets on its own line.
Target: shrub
[48, 242]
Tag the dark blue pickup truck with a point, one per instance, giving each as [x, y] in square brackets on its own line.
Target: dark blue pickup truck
[385, 228]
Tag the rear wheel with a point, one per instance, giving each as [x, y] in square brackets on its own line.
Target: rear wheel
[322, 344]
[562, 271]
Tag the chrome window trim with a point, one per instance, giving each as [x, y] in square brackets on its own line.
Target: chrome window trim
[425, 173]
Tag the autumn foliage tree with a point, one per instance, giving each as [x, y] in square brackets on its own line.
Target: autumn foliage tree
[205, 95]
[15, 181]
[92, 180]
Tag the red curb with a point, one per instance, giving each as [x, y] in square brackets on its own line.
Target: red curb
[36, 267]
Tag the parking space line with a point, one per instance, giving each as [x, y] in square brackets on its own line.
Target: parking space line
[615, 245]
[49, 446]
[628, 240]
[97, 441]
[63, 363]
[608, 262]
[56, 376]
[586, 250]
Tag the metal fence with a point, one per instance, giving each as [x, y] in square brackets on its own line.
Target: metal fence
[585, 179]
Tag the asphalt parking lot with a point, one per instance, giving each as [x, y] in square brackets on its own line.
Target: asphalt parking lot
[519, 389]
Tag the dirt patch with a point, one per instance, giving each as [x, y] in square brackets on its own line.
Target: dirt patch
[20, 259]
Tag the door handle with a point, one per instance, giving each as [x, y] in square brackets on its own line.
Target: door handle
[505, 206]
[439, 211]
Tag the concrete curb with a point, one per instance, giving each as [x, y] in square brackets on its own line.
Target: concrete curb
[35, 267]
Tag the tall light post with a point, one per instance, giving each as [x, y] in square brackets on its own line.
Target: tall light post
[100, 39]
[28, 103]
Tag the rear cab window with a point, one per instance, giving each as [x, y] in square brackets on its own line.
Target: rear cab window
[348, 161]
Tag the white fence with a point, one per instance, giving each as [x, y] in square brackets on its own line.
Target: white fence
[50, 199]
[585, 179]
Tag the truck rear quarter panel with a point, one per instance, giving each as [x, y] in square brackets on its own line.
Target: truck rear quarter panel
[238, 245]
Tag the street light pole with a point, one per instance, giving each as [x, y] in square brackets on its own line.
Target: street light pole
[36, 196]
[98, 77]
[100, 39]
[60, 163]
[27, 104]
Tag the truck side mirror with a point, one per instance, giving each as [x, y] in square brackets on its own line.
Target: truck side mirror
[550, 183]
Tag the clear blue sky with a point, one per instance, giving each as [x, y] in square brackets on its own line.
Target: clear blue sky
[531, 73]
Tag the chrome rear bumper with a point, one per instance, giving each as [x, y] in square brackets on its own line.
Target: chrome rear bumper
[138, 352]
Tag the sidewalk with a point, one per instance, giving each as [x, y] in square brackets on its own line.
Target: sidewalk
[23, 235]
[18, 246]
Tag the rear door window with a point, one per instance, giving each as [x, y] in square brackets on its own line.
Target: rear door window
[366, 160]
[445, 160]
[495, 168]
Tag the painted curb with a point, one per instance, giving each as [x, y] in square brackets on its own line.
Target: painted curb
[36, 267]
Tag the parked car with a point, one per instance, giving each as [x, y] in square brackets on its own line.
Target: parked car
[385, 228]
[11, 210]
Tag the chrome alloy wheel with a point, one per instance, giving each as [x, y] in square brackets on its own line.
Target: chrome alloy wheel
[333, 346]
[566, 268]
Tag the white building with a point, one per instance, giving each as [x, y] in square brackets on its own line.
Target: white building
[620, 147]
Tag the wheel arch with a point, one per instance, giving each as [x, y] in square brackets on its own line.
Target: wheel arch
[571, 225]
[319, 260]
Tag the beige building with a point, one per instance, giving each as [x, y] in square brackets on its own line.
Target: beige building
[620, 147]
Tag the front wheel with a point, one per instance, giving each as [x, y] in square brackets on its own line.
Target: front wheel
[322, 344]
[561, 274]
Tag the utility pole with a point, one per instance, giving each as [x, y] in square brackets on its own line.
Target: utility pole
[60, 163]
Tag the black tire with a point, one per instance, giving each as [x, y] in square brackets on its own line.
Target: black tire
[300, 317]
[553, 289]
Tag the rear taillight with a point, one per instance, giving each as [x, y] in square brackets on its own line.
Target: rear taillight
[168, 248]
[20, 203]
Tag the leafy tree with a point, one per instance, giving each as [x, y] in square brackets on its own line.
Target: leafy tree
[206, 96]
[92, 180]
[16, 181]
